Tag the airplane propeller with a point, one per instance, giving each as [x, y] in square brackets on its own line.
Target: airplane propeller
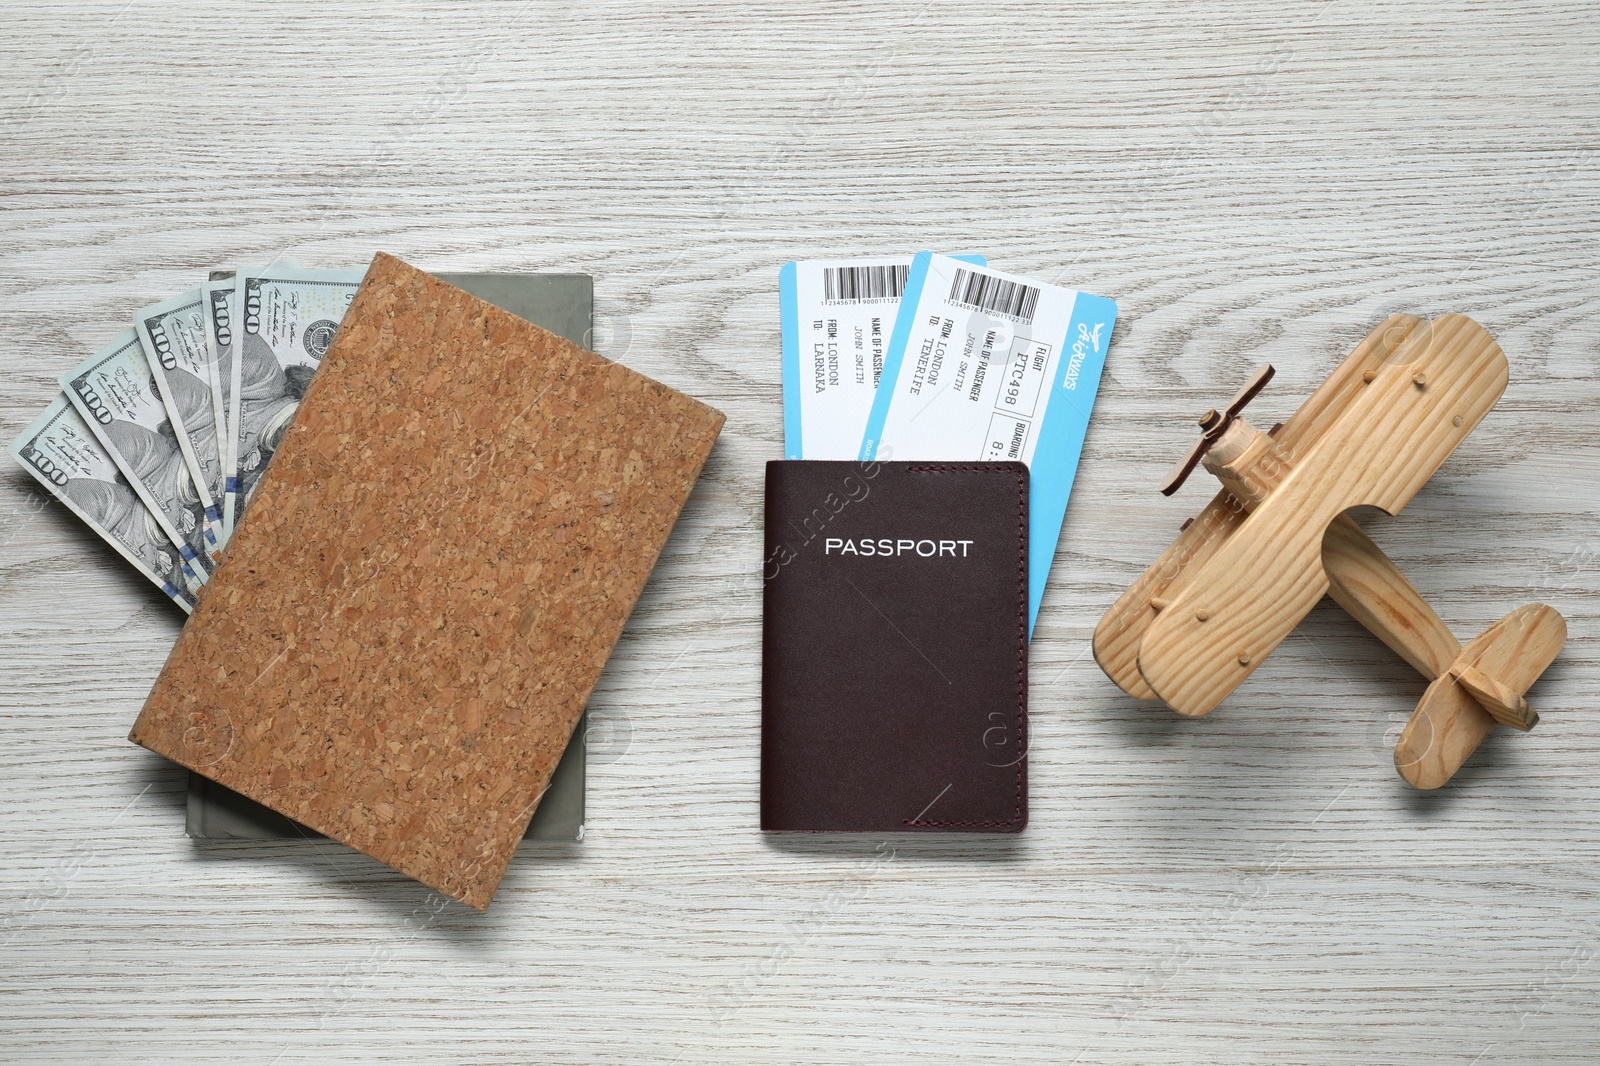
[1213, 425]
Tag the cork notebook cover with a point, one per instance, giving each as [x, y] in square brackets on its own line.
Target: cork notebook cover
[415, 608]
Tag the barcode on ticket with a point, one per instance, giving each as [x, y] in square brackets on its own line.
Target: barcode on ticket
[854, 284]
[984, 293]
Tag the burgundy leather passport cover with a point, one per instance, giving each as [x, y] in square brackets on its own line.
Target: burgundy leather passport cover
[894, 671]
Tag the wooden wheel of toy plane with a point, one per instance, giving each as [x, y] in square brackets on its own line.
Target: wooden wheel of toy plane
[1244, 572]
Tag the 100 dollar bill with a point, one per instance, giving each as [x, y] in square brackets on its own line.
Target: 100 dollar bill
[220, 302]
[285, 320]
[174, 337]
[115, 392]
[63, 454]
[217, 303]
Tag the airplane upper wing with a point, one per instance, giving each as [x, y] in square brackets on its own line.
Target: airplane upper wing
[1378, 450]
[1119, 633]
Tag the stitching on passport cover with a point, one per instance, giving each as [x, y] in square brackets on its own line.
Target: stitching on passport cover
[1022, 635]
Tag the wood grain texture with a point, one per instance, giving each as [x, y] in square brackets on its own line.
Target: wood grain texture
[1457, 712]
[1252, 182]
[1504, 704]
[1121, 630]
[1367, 584]
[1227, 618]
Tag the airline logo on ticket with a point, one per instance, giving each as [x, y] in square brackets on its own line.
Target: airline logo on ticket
[984, 365]
[837, 315]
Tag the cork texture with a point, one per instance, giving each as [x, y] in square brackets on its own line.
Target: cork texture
[428, 581]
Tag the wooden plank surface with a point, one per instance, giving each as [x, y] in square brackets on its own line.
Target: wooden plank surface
[1251, 181]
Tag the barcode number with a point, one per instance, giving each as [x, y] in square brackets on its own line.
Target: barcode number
[982, 292]
[853, 284]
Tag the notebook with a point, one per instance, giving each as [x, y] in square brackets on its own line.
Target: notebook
[415, 608]
[564, 305]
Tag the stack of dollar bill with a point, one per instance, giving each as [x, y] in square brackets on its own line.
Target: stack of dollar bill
[159, 439]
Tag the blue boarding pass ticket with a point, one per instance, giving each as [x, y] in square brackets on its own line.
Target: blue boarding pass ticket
[837, 315]
[984, 365]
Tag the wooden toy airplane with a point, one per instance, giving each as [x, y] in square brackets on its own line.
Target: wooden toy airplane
[1243, 573]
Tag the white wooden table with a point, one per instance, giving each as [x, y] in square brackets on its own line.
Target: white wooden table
[1251, 181]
